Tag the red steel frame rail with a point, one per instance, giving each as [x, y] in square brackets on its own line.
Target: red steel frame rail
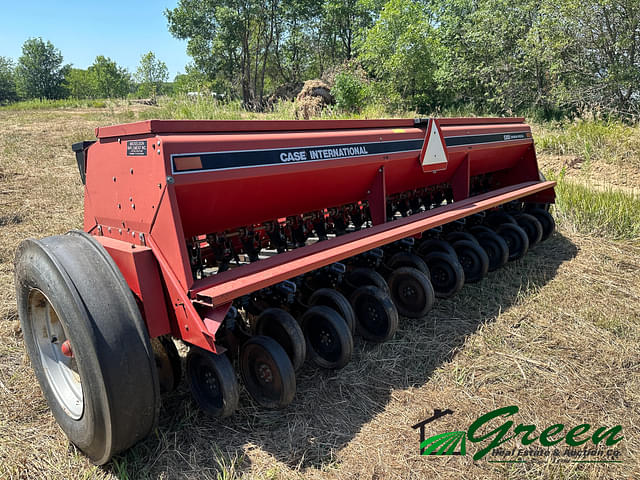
[224, 287]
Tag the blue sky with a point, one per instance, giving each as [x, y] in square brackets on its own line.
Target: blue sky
[81, 30]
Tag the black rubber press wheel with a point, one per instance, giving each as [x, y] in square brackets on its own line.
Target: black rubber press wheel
[546, 220]
[411, 292]
[337, 301]
[434, 245]
[360, 277]
[476, 229]
[447, 275]
[267, 372]
[454, 237]
[329, 339]
[406, 259]
[213, 382]
[474, 260]
[516, 238]
[531, 226]
[284, 329]
[376, 315]
[495, 247]
[87, 343]
[168, 363]
[498, 217]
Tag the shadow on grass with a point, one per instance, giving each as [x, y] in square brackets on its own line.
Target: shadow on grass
[331, 407]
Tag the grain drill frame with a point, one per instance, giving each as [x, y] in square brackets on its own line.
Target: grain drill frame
[265, 242]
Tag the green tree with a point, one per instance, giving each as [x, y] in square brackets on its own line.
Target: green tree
[111, 81]
[193, 80]
[298, 53]
[151, 74]
[79, 83]
[493, 56]
[253, 46]
[7, 81]
[233, 39]
[40, 72]
[595, 46]
[399, 50]
[343, 21]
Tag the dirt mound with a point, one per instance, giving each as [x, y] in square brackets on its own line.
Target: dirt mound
[313, 98]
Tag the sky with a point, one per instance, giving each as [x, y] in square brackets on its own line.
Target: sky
[81, 30]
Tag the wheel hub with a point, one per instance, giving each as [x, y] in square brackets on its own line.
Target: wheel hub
[325, 338]
[211, 382]
[66, 348]
[264, 373]
[409, 291]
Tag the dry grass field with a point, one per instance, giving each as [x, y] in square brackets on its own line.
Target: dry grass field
[557, 334]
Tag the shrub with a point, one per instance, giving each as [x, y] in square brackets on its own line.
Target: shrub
[349, 91]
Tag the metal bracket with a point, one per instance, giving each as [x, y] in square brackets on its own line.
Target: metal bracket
[377, 198]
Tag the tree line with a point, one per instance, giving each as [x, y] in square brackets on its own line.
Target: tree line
[498, 56]
[41, 74]
[490, 56]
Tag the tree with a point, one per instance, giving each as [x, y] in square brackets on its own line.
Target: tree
[229, 38]
[111, 81]
[252, 46]
[595, 45]
[492, 56]
[298, 53]
[79, 84]
[193, 80]
[151, 74]
[399, 52]
[40, 73]
[343, 20]
[7, 81]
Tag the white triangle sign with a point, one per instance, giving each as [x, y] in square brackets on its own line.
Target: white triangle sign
[435, 150]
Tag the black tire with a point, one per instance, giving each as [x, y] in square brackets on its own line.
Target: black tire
[434, 245]
[70, 280]
[447, 275]
[267, 372]
[495, 247]
[411, 292]
[360, 277]
[498, 217]
[329, 339]
[476, 229]
[337, 301]
[454, 237]
[284, 329]
[474, 260]
[531, 226]
[168, 363]
[213, 382]
[516, 238]
[376, 315]
[406, 259]
[546, 220]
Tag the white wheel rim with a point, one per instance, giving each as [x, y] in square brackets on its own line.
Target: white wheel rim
[61, 370]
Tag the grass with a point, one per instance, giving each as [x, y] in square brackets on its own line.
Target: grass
[592, 140]
[205, 108]
[556, 333]
[44, 104]
[604, 212]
